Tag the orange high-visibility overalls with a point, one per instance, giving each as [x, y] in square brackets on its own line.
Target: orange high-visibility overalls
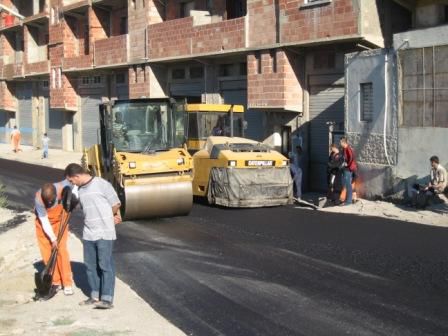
[63, 272]
[15, 140]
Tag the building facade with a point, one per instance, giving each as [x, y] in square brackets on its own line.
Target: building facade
[282, 59]
[397, 104]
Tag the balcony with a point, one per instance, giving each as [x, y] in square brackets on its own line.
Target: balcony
[37, 68]
[10, 22]
[9, 71]
[75, 63]
[185, 37]
[72, 5]
[111, 51]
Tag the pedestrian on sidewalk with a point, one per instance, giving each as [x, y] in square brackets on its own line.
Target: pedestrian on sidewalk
[15, 139]
[349, 174]
[296, 172]
[335, 161]
[45, 141]
[101, 207]
[49, 210]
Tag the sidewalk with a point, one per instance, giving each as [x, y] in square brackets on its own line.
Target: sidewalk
[57, 158]
[20, 315]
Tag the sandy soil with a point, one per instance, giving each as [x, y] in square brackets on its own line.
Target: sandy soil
[434, 215]
[20, 315]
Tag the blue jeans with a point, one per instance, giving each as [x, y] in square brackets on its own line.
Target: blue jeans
[45, 153]
[347, 176]
[100, 268]
[296, 173]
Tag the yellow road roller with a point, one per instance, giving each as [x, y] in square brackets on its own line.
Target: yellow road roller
[142, 153]
[239, 172]
[206, 120]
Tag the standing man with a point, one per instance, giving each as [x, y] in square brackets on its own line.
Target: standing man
[348, 193]
[15, 139]
[296, 172]
[101, 208]
[45, 141]
[49, 210]
[335, 160]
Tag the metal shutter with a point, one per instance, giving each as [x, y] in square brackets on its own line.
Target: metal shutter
[25, 110]
[90, 119]
[55, 124]
[326, 105]
[3, 126]
[190, 89]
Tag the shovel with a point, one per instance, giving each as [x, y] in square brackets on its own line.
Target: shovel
[44, 279]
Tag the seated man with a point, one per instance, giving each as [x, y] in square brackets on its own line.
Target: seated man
[119, 131]
[421, 194]
[438, 177]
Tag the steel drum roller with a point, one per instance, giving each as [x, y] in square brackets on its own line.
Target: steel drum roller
[158, 200]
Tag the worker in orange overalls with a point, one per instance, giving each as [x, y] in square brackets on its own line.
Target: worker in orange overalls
[49, 211]
[15, 139]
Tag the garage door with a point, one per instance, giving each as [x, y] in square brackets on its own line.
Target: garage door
[25, 110]
[326, 105]
[90, 119]
[55, 124]
[3, 126]
[191, 89]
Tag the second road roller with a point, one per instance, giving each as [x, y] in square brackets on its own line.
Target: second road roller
[142, 153]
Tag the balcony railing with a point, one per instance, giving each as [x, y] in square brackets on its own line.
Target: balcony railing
[12, 70]
[111, 51]
[78, 62]
[180, 37]
[37, 68]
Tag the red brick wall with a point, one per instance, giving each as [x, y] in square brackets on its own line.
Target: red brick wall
[262, 22]
[98, 18]
[7, 96]
[37, 67]
[180, 38]
[116, 20]
[138, 81]
[337, 18]
[84, 61]
[111, 51]
[270, 88]
[137, 23]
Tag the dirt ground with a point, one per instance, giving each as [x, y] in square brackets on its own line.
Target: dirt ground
[436, 214]
[20, 315]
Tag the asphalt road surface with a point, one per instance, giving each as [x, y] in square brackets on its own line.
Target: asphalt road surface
[277, 271]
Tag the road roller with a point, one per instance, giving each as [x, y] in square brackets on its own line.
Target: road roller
[142, 152]
[241, 173]
[206, 120]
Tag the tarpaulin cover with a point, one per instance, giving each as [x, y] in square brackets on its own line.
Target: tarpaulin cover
[247, 187]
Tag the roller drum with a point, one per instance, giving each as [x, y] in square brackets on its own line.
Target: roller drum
[158, 200]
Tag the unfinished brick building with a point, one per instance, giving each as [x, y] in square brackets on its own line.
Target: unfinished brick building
[282, 59]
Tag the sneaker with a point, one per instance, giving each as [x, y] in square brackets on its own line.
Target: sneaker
[68, 290]
[103, 305]
[88, 302]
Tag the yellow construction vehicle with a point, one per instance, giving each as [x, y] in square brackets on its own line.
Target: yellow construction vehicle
[239, 172]
[142, 153]
[206, 120]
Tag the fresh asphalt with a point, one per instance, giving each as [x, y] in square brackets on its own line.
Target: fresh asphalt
[276, 271]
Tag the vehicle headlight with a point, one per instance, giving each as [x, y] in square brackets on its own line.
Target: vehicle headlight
[180, 161]
[285, 163]
[132, 165]
[232, 163]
